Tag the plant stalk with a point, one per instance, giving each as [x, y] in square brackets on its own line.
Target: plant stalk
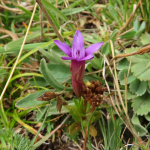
[50, 20]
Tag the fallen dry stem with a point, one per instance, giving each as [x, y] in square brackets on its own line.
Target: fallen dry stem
[50, 20]
[13, 35]
[116, 80]
[16, 62]
[125, 117]
[141, 51]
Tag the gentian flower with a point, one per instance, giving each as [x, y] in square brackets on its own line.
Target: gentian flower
[78, 55]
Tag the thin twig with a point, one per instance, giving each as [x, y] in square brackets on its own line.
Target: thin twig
[13, 35]
[65, 25]
[41, 24]
[50, 20]
[13, 69]
[140, 51]
[96, 143]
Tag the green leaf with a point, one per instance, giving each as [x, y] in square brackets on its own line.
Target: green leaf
[136, 24]
[113, 12]
[123, 64]
[141, 131]
[96, 63]
[138, 87]
[128, 35]
[97, 115]
[76, 102]
[141, 104]
[53, 109]
[60, 72]
[84, 123]
[53, 9]
[148, 83]
[92, 131]
[29, 13]
[41, 112]
[141, 69]
[26, 47]
[72, 11]
[30, 100]
[74, 128]
[140, 65]
[147, 117]
[16, 43]
[145, 38]
[49, 77]
[113, 35]
[38, 81]
[125, 72]
[105, 50]
[142, 28]
[57, 57]
[48, 55]
[148, 87]
[74, 112]
[130, 95]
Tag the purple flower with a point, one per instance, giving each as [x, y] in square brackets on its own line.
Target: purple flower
[77, 54]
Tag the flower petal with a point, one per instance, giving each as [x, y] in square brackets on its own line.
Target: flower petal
[93, 48]
[78, 41]
[89, 57]
[67, 58]
[64, 47]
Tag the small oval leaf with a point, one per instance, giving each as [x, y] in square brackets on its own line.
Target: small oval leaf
[92, 131]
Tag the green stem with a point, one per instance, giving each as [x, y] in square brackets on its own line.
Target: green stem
[90, 148]
[3, 115]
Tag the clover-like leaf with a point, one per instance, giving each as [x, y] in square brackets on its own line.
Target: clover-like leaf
[123, 64]
[125, 72]
[130, 95]
[142, 70]
[145, 38]
[141, 131]
[148, 90]
[148, 84]
[141, 104]
[147, 117]
[140, 65]
[138, 87]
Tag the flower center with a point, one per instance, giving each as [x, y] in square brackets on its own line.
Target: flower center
[76, 54]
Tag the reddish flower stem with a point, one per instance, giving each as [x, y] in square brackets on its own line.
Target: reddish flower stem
[93, 108]
[85, 106]
[85, 140]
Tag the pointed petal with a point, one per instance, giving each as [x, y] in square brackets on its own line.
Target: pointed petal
[78, 41]
[67, 58]
[89, 57]
[93, 48]
[64, 47]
